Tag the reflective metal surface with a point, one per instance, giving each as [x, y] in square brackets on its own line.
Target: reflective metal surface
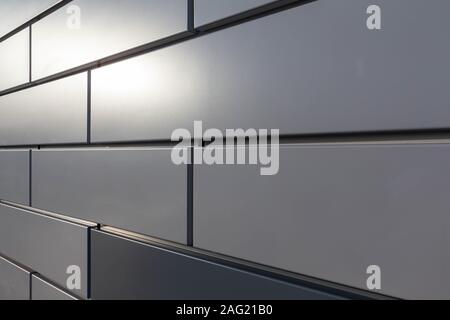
[86, 30]
[14, 60]
[15, 176]
[51, 113]
[312, 69]
[138, 190]
[46, 245]
[14, 281]
[332, 211]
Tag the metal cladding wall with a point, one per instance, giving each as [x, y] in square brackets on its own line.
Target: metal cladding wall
[92, 205]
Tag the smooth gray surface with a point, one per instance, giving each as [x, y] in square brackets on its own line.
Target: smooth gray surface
[14, 61]
[107, 27]
[14, 281]
[15, 176]
[42, 290]
[13, 13]
[207, 11]
[45, 245]
[47, 114]
[155, 273]
[311, 69]
[140, 190]
[334, 210]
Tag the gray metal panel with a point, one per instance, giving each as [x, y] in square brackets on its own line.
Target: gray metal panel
[106, 27]
[14, 53]
[207, 11]
[14, 12]
[311, 69]
[332, 211]
[15, 176]
[44, 244]
[47, 114]
[14, 281]
[42, 290]
[149, 272]
[140, 190]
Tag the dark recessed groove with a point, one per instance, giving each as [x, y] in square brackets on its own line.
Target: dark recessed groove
[190, 199]
[30, 178]
[89, 262]
[190, 15]
[30, 54]
[252, 14]
[89, 109]
[30, 284]
[378, 136]
[419, 136]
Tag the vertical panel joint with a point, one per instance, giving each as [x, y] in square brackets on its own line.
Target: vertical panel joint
[190, 18]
